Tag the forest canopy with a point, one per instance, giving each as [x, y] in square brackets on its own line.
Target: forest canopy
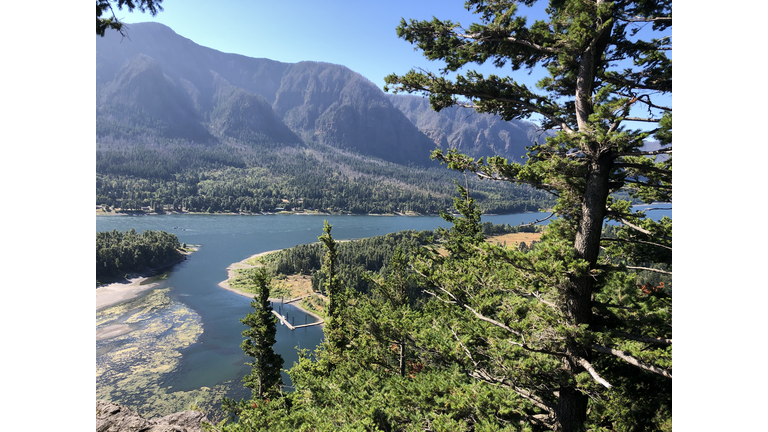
[119, 253]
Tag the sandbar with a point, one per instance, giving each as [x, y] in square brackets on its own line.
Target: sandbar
[111, 331]
[108, 295]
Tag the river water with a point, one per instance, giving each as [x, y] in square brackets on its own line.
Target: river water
[184, 347]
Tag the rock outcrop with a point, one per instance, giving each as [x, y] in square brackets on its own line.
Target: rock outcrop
[112, 417]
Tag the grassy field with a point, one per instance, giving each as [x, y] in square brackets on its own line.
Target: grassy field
[511, 239]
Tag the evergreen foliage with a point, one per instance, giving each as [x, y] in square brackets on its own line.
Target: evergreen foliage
[572, 312]
[196, 178]
[112, 23]
[130, 252]
[336, 314]
[569, 335]
[265, 379]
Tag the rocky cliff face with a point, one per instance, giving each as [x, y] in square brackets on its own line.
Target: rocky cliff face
[111, 417]
[472, 133]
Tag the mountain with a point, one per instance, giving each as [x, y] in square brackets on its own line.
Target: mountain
[161, 84]
[470, 132]
[182, 126]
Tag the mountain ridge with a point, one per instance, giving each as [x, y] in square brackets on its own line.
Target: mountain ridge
[317, 101]
[179, 125]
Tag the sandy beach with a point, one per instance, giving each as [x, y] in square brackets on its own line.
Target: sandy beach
[107, 295]
[243, 265]
[117, 292]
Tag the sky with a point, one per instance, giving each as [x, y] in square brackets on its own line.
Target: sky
[360, 35]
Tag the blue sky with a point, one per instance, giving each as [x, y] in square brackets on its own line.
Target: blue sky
[358, 34]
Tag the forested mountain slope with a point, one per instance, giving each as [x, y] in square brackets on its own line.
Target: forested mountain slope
[179, 125]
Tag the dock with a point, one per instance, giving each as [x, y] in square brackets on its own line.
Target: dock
[284, 320]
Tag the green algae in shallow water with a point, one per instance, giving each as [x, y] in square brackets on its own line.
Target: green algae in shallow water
[155, 279]
[134, 310]
[131, 366]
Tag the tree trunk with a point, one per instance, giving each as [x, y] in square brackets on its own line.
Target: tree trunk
[587, 242]
[571, 410]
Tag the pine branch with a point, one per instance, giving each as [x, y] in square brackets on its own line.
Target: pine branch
[644, 231]
[483, 375]
[646, 339]
[636, 241]
[496, 323]
[641, 119]
[657, 186]
[631, 360]
[588, 366]
[624, 82]
[667, 150]
[478, 37]
[646, 99]
[466, 351]
[644, 168]
[650, 270]
[515, 180]
[648, 19]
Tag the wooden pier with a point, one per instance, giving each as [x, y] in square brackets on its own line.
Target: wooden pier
[284, 320]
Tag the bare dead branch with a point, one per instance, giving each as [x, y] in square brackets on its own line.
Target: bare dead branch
[631, 360]
[529, 44]
[494, 322]
[646, 339]
[646, 99]
[466, 351]
[647, 19]
[667, 150]
[526, 394]
[586, 365]
[641, 119]
[537, 221]
[644, 168]
[657, 186]
[636, 241]
[650, 270]
[637, 228]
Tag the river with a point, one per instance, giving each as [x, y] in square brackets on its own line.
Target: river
[183, 349]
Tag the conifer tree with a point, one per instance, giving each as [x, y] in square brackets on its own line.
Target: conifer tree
[113, 23]
[570, 329]
[265, 378]
[334, 323]
[388, 313]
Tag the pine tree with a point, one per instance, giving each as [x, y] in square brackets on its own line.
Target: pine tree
[570, 329]
[265, 379]
[334, 324]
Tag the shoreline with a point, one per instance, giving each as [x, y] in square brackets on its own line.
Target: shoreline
[118, 292]
[129, 288]
[297, 213]
[244, 265]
